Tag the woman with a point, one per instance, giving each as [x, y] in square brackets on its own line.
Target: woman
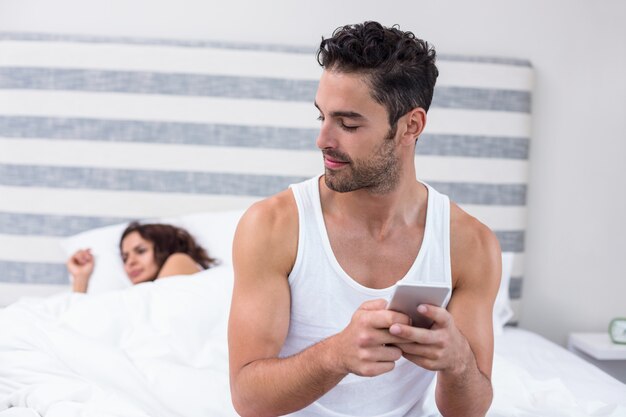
[149, 252]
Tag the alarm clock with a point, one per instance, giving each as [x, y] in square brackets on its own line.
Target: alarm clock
[617, 330]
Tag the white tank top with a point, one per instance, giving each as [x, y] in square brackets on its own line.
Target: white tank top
[324, 297]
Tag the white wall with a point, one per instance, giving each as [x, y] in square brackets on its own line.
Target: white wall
[576, 255]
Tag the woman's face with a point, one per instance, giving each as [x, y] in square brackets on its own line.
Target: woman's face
[138, 258]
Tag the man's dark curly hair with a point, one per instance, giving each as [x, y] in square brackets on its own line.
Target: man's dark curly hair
[399, 67]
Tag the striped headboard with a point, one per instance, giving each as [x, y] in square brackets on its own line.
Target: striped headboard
[96, 131]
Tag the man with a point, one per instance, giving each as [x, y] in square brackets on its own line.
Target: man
[309, 333]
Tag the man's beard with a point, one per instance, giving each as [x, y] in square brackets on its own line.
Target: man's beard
[379, 175]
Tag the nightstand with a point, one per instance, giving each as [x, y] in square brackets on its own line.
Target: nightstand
[598, 349]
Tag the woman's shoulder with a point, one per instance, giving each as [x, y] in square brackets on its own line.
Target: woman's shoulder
[178, 264]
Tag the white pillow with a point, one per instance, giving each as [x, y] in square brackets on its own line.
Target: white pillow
[502, 311]
[213, 230]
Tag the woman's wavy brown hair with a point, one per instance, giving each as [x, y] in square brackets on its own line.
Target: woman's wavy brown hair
[167, 240]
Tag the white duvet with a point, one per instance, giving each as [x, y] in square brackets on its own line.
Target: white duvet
[159, 349]
[156, 349]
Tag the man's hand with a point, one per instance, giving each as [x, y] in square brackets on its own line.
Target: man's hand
[365, 347]
[440, 348]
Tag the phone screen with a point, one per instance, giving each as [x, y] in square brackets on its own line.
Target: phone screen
[407, 297]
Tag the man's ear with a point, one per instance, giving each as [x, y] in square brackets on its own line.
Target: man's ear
[414, 123]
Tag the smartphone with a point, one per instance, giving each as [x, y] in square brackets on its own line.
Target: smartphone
[406, 298]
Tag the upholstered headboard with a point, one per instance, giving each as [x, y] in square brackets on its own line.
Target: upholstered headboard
[96, 131]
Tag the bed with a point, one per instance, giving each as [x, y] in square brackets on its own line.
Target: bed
[159, 349]
[97, 131]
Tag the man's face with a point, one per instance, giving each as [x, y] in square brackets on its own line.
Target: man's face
[357, 143]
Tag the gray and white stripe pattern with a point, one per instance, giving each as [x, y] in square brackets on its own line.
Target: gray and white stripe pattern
[96, 131]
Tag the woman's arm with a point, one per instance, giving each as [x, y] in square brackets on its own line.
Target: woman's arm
[80, 265]
[178, 264]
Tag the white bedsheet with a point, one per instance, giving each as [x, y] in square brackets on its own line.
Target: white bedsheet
[159, 349]
[535, 377]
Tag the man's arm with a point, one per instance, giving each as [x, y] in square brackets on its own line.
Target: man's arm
[264, 250]
[477, 264]
[460, 343]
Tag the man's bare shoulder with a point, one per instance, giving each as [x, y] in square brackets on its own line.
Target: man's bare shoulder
[467, 230]
[278, 211]
[268, 233]
[474, 248]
